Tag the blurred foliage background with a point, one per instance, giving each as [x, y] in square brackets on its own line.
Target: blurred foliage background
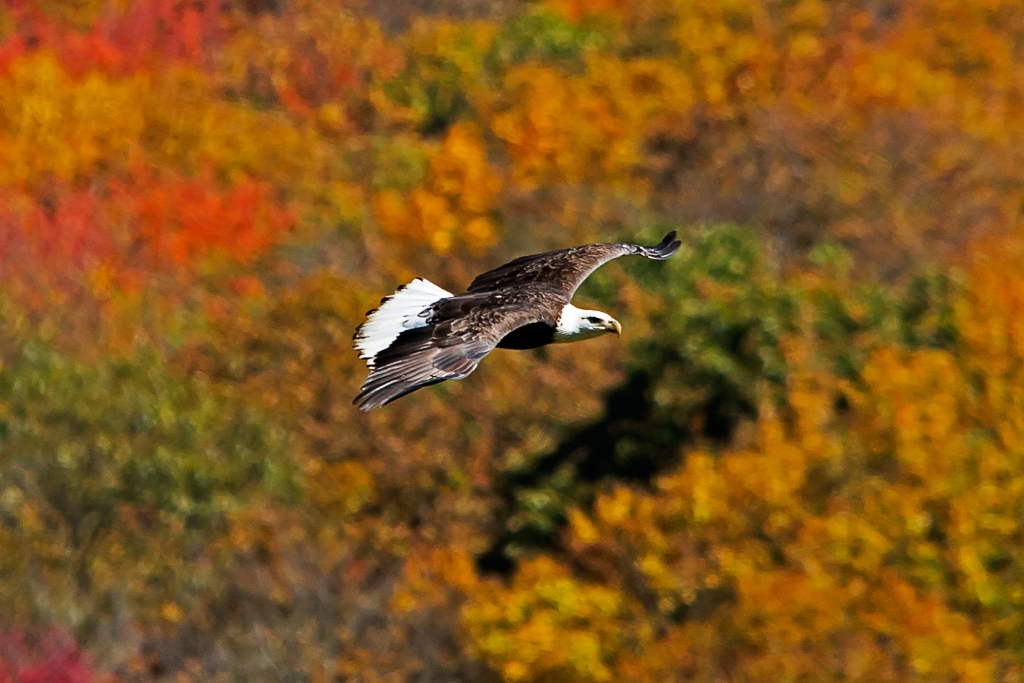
[804, 460]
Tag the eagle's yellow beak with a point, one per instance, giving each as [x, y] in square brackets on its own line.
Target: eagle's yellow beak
[617, 327]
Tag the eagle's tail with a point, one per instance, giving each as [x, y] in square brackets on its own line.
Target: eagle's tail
[663, 250]
[397, 313]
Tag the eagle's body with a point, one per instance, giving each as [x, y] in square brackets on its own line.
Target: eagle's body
[422, 334]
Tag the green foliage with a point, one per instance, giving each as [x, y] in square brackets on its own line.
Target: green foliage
[541, 35]
[715, 333]
[90, 438]
[120, 468]
[444, 65]
[398, 164]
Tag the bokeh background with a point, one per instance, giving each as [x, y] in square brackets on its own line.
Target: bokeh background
[803, 461]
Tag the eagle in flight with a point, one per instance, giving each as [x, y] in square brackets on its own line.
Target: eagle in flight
[422, 334]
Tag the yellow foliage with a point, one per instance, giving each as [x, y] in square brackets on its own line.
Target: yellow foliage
[340, 489]
[434, 577]
[187, 128]
[452, 206]
[49, 124]
[547, 626]
[582, 128]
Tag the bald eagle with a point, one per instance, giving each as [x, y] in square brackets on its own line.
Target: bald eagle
[422, 334]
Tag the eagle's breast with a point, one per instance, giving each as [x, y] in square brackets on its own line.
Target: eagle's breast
[530, 336]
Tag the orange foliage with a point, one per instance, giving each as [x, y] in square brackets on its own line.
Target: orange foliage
[453, 204]
[234, 183]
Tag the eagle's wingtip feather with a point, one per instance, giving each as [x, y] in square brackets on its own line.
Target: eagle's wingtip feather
[664, 249]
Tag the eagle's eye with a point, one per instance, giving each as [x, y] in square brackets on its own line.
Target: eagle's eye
[592, 319]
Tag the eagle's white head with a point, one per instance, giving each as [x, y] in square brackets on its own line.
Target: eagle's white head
[576, 324]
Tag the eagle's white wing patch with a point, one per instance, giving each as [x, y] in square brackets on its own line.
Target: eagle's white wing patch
[397, 313]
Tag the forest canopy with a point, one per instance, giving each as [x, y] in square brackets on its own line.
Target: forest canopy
[803, 460]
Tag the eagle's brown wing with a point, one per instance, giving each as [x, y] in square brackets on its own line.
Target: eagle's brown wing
[460, 331]
[566, 269]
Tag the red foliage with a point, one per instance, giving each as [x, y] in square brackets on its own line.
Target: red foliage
[53, 243]
[73, 240]
[53, 658]
[10, 51]
[183, 219]
[146, 34]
